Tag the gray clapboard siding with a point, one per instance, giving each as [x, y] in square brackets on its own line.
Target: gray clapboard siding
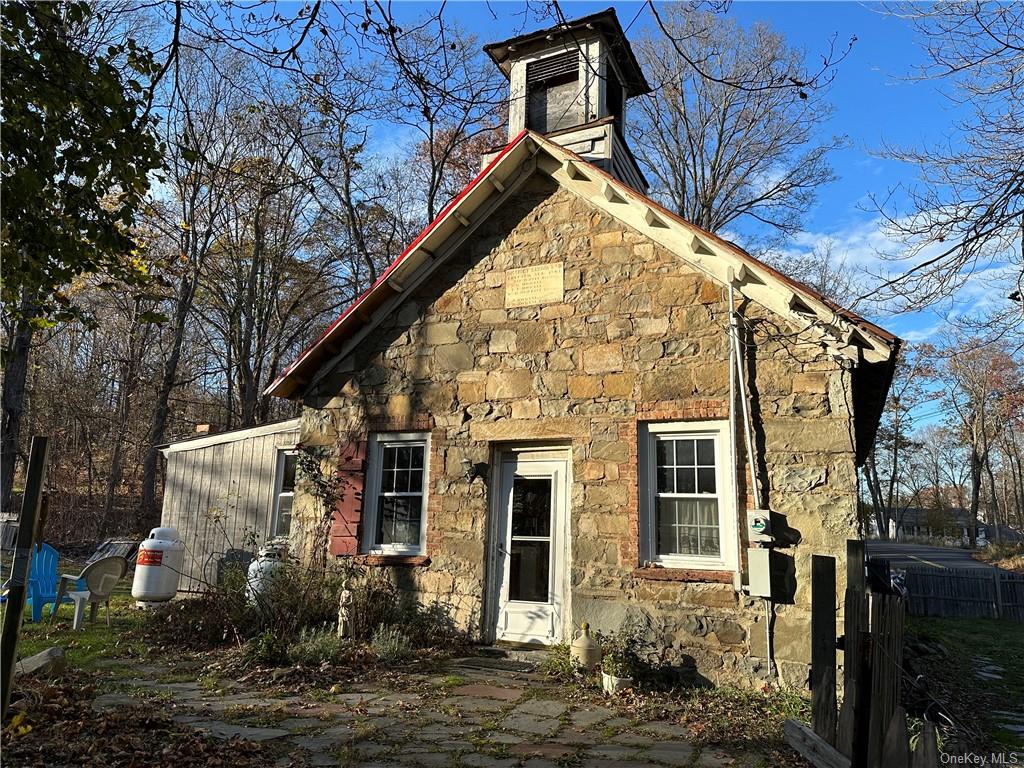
[219, 494]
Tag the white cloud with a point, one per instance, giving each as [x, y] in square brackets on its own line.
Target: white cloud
[867, 248]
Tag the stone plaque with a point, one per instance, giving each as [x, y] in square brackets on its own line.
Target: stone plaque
[541, 284]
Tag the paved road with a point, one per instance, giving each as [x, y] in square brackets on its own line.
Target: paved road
[900, 555]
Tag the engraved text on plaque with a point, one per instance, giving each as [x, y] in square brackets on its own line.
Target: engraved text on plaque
[541, 284]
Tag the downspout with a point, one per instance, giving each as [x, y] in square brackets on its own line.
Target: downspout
[747, 431]
[736, 373]
[734, 449]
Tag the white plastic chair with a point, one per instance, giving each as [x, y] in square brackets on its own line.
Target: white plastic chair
[100, 579]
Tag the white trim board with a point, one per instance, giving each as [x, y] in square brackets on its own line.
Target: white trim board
[195, 443]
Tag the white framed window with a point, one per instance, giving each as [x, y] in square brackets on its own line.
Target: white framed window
[284, 493]
[687, 507]
[394, 521]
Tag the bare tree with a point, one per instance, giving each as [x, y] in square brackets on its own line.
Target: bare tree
[966, 211]
[266, 286]
[723, 155]
[823, 270]
[980, 383]
[441, 88]
[203, 125]
[943, 463]
[889, 473]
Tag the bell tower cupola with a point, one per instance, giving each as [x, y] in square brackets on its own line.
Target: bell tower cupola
[571, 83]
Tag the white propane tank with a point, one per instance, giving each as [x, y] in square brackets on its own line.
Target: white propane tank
[261, 570]
[158, 567]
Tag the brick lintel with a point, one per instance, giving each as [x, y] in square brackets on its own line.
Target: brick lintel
[683, 574]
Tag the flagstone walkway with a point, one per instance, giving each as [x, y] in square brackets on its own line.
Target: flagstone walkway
[470, 716]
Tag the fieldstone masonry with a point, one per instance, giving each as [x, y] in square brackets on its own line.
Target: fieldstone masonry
[639, 336]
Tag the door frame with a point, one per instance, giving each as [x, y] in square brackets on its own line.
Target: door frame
[492, 585]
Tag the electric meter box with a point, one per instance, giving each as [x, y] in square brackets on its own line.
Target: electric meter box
[764, 572]
[759, 525]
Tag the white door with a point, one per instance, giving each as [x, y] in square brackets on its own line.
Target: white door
[530, 546]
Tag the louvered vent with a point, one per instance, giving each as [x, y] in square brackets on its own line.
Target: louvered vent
[561, 67]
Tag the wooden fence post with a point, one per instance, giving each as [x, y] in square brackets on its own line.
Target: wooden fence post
[862, 689]
[28, 526]
[926, 754]
[823, 647]
[855, 564]
[997, 577]
[855, 624]
[886, 669]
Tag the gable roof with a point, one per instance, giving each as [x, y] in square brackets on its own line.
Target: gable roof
[232, 435]
[841, 331]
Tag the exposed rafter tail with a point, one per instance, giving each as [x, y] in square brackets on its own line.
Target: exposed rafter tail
[654, 220]
[573, 171]
[700, 247]
[611, 194]
[801, 307]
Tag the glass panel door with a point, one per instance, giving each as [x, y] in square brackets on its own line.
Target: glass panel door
[529, 545]
[530, 540]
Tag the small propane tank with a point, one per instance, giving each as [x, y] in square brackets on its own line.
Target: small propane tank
[158, 567]
[261, 570]
[585, 650]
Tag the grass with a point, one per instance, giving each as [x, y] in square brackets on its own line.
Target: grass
[244, 714]
[731, 715]
[1009, 557]
[952, 676]
[95, 642]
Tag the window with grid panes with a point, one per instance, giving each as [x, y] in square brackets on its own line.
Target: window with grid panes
[398, 470]
[285, 493]
[687, 515]
[686, 502]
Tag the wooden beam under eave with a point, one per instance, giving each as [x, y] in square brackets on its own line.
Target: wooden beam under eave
[652, 219]
[699, 246]
[573, 171]
[801, 307]
[746, 275]
[461, 219]
[496, 183]
[611, 194]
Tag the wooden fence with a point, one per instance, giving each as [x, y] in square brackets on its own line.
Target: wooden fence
[965, 593]
[869, 730]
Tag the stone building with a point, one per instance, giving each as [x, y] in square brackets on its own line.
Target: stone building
[542, 409]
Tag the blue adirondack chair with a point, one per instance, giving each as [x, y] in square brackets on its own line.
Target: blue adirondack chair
[42, 581]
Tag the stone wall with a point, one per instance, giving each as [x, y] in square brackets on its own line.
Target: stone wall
[639, 336]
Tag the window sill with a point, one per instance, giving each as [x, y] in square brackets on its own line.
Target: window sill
[684, 575]
[417, 561]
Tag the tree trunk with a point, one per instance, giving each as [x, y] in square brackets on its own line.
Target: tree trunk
[875, 488]
[161, 411]
[15, 375]
[993, 511]
[972, 521]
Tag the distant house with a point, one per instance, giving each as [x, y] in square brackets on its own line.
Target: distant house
[938, 524]
[541, 411]
[228, 493]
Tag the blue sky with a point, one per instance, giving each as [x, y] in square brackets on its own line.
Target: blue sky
[873, 99]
